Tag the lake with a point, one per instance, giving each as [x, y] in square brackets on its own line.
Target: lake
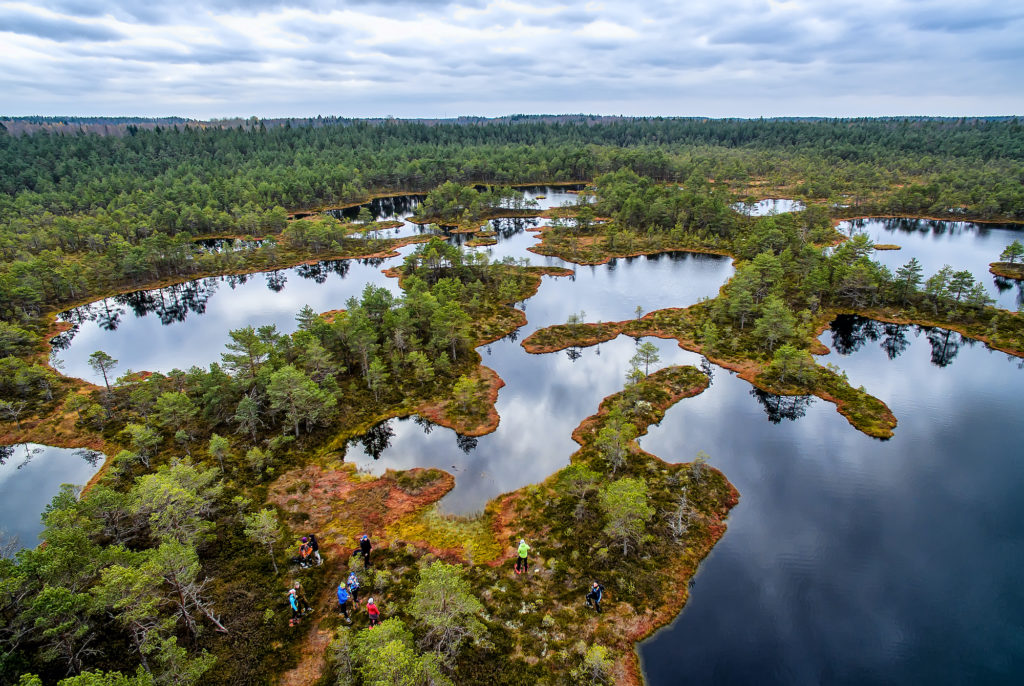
[30, 475]
[851, 560]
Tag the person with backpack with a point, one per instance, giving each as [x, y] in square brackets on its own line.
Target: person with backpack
[293, 603]
[373, 612]
[521, 559]
[364, 548]
[595, 595]
[314, 546]
[353, 586]
[301, 596]
[343, 601]
[305, 553]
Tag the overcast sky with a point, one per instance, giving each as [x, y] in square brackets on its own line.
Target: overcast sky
[430, 58]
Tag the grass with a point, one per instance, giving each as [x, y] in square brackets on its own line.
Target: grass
[471, 538]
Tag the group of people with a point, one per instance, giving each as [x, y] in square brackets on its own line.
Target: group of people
[309, 554]
[348, 590]
[594, 595]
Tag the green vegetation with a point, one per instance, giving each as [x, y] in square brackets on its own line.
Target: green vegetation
[453, 203]
[172, 567]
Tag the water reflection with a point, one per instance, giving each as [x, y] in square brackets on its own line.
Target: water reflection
[850, 560]
[779, 407]
[30, 475]
[769, 206]
[376, 440]
[122, 327]
[851, 332]
[962, 245]
[227, 245]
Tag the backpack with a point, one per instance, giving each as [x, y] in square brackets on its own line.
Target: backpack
[342, 595]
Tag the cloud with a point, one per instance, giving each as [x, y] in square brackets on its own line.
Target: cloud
[55, 29]
[450, 57]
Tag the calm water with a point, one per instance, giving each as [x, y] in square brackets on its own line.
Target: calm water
[768, 206]
[851, 560]
[848, 559]
[30, 475]
[179, 326]
[188, 324]
[400, 208]
[962, 245]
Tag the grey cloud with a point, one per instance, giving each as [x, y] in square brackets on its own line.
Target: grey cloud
[331, 36]
[759, 32]
[965, 18]
[716, 57]
[205, 54]
[156, 13]
[60, 30]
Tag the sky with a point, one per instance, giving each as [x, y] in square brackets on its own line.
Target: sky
[434, 58]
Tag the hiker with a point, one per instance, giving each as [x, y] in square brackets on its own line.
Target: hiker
[373, 612]
[353, 587]
[305, 553]
[293, 603]
[521, 560]
[303, 601]
[595, 595]
[314, 546]
[343, 601]
[364, 548]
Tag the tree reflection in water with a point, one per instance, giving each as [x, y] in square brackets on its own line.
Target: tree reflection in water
[424, 424]
[1003, 284]
[176, 302]
[945, 345]
[851, 332]
[467, 444]
[779, 407]
[170, 304]
[7, 452]
[377, 440]
[276, 280]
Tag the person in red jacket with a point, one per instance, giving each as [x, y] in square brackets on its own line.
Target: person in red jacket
[373, 612]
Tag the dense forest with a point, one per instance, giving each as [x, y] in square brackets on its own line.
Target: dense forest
[160, 573]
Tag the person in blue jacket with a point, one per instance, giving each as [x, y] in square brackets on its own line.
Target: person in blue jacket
[343, 600]
[293, 603]
[595, 595]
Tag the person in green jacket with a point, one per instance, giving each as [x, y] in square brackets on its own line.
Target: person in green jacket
[521, 560]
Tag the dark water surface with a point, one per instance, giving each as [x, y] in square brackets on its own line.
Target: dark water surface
[962, 245]
[851, 560]
[30, 475]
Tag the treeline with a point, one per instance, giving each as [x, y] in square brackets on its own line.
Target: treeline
[85, 206]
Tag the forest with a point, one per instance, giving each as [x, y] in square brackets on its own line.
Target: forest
[159, 573]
